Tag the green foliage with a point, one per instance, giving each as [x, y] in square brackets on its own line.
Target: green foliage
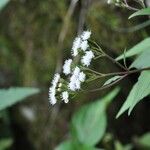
[5, 143]
[119, 146]
[144, 141]
[71, 145]
[67, 145]
[89, 123]
[9, 97]
[3, 3]
[142, 61]
[140, 90]
[137, 49]
[112, 80]
[142, 12]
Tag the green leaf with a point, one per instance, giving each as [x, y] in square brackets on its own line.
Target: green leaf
[9, 97]
[144, 140]
[72, 145]
[3, 3]
[137, 49]
[142, 12]
[112, 80]
[89, 123]
[142, 61]
[67, 145]
[140, 90]
[119, 146]
[5, 143]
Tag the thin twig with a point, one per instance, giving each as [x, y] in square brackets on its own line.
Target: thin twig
[124, 74]
[129, 7]
[116, 62]
[107, 86]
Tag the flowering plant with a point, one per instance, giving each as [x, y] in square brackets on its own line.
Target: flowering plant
[85, 135]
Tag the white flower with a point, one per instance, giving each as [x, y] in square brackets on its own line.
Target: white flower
[76, 79]
[84, 45]
[52, 98]
[67, 67]
[76, 45]
[76, 71]
[73, 85]
[65, 96]
[85, 35]
[78, 84]
[82, 76]
[86, 59]
[56, 79]
[73, 79]
[52, 89]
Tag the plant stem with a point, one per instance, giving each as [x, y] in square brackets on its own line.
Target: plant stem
[107, 86]
[124, 74]
[116, 62]
[103, 54]
[129, 7]
[93, 71]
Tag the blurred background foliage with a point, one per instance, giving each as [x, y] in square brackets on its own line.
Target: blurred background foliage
[33, 43]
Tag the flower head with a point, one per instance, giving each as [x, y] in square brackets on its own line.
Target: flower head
[67, 67]
[84, 45]
[86, 59]
[76, 71]
[82, 76]
[52, 98]
[52, 89]
[73, 79]
[76, 79]
[85, 35]
[76, 45]
[55, 79]
[65, 96]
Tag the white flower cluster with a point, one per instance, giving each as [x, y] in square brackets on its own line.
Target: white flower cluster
[76, 76]
[81, 42]
[67, 67]
[76, 79]
[52, 89]
[86, 59]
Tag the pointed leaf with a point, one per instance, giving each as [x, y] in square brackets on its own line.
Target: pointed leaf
[137, 49]
[3, 3]
[142, 12]
[112, 80]
[9, 97]
[140, 90]
[89, 123]
[142, 61]
[127, 103]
